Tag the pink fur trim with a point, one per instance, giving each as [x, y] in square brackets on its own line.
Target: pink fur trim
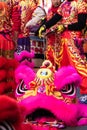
[29, 64]
[66, 76]
[23, 54]
[69, 113]
[24, 73]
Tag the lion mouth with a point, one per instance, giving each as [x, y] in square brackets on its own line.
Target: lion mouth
[44, 118]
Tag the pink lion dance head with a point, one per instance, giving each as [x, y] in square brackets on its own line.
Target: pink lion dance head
[50, 98]
[25, 58]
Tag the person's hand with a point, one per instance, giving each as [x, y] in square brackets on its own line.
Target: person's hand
[41, 30]
[60, 28]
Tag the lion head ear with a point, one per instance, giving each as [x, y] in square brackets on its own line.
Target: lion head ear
[23, 55]
[66, 75]
[9, 110]
[25, 58]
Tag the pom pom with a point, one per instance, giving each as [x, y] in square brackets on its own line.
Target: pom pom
[3, 62]
[3, 74]
[9, 110]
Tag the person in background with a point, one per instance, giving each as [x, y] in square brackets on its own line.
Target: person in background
[52, 38]
[8, 32]
[23, 41]
[72, 15]
[31, 7]
[38, 17]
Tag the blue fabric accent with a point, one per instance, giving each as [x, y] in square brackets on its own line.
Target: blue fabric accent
[83, 99]
[23, 44]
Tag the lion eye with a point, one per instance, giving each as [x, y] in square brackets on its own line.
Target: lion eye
[69, 90]
[21, 88]
[6, 126]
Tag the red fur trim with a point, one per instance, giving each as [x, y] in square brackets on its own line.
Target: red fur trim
[27, 126]
[12, 63]
[3, 62]
[9, 110]
[3, 74]
[11, 85]
[2, 87]
[7, 87]
[10, 73]
[12, 95]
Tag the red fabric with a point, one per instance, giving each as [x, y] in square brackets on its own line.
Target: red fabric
[54, 9]
[66, 61]
[16, 18]
[50, 55]
[51, 38]
[6, 43]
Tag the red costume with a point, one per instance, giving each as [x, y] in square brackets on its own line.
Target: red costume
[72, 16]
[51, 37]
[9, 24]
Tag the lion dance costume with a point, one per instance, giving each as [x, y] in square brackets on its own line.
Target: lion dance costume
[49, 97]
